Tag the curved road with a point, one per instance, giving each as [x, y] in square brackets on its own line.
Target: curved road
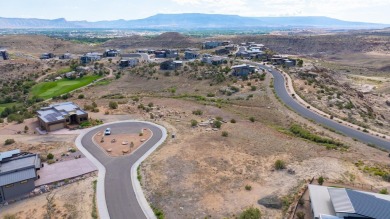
[281, 91]
[121, 199]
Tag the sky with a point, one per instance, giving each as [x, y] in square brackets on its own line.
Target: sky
[376, 11]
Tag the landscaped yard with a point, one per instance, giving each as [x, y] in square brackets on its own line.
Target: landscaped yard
[50, 89]
[4, 105]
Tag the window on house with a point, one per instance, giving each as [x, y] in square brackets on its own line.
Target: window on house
[9, 185]
[23, 182]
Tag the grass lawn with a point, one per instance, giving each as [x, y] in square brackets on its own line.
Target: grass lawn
[4, 105]
[50, 89]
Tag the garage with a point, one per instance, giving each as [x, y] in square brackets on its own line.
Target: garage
[57, 126]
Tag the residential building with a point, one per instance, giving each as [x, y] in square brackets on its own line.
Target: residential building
[341, 203]
[222, 51]
[90, 57]
[214, 44]
[111, 53]
[47, 56]
[243, 54]
[128, 62]
[230, 47]
[243, 70]
[65, 56]
[166, 53]
[171, 65]
[60, 115]
[213, 60]
[4, 54]
[18, 171]
[191, 55]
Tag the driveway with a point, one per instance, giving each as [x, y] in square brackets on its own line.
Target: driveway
[120, 195]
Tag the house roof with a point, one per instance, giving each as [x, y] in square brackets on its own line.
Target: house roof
[356, 202]
[8, 154]
[18, 168]
[57, 112]
[320, 201]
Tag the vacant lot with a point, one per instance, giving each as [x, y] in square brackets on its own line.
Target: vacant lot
[48, 90]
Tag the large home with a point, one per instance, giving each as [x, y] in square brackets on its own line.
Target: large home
[111, 53]
[90, 57]
[341, 203]
[47, 56]
[4, 54]
[128, 62]
[171, 65]
[222, 51]
[214, 44]
[166, 53]
[65, 56]
[18, 171]
[243, 70]
[191, 55]
[58, 116]
[213, 60]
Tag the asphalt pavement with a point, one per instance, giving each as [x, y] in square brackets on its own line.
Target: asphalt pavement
[120, 196]
[281, 91]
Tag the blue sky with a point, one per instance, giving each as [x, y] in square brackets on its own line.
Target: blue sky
[377, 11]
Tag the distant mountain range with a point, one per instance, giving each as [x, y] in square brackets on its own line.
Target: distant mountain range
[192, 21]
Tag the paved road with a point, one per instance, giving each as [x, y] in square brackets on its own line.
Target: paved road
[120, 196]
[280, 89]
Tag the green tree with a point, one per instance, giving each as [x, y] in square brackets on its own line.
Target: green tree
[320, 180]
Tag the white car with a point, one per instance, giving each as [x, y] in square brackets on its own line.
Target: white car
[108, 131]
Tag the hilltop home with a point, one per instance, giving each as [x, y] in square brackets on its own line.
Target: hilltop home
[171, 65]
[18, 171]
[191, 55]
[243, 70]
[222, 51]
[128, 63]
[214, 44]
[111, 53]
[47, 56]
[166, 53]
[58, 116]
[213, 60]
[341, 203]
[4, 54]
[90, 57]
[65, 56]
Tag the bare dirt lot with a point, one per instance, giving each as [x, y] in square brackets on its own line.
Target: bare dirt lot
[122, 144]
[71, 201]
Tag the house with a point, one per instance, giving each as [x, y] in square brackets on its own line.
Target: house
[341, 203]
[243, 54]
[222, 51]
[214, 44]
[4, 54]
[213, 60]
[128, 62]
[71, 74]
[58, 116]
[18, 172]
[90, 57]
[230, 47]
[243, 70]
[111, 53]
[65, 56]
[171, 65]
[47, 56]
[191, 55]
[166, 53]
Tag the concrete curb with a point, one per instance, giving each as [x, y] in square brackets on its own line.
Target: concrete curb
[100, 190]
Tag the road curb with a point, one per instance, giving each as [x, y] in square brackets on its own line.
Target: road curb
[100, 190]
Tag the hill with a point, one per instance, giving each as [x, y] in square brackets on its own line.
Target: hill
[193, 21]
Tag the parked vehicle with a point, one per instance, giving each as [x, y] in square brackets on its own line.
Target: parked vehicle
[108, 131]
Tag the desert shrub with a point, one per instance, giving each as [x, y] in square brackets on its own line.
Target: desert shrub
[280, 165]
[197, 112]
[219, 118]
[225, 134]
[150, 104]
[320, 180]
[384, 191]
[300, 215]
[159, 213]
[253, 88]
[194, 123]
[252, 119]
[1, 120]
[113, 105]
[248, 187]
[50, 156]
[94, 105]
[232, 121]
[217, 124]
[81, 96]
[9, 216]
[9, 141]
[250, 213]
[303, 133]
[95, 110]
